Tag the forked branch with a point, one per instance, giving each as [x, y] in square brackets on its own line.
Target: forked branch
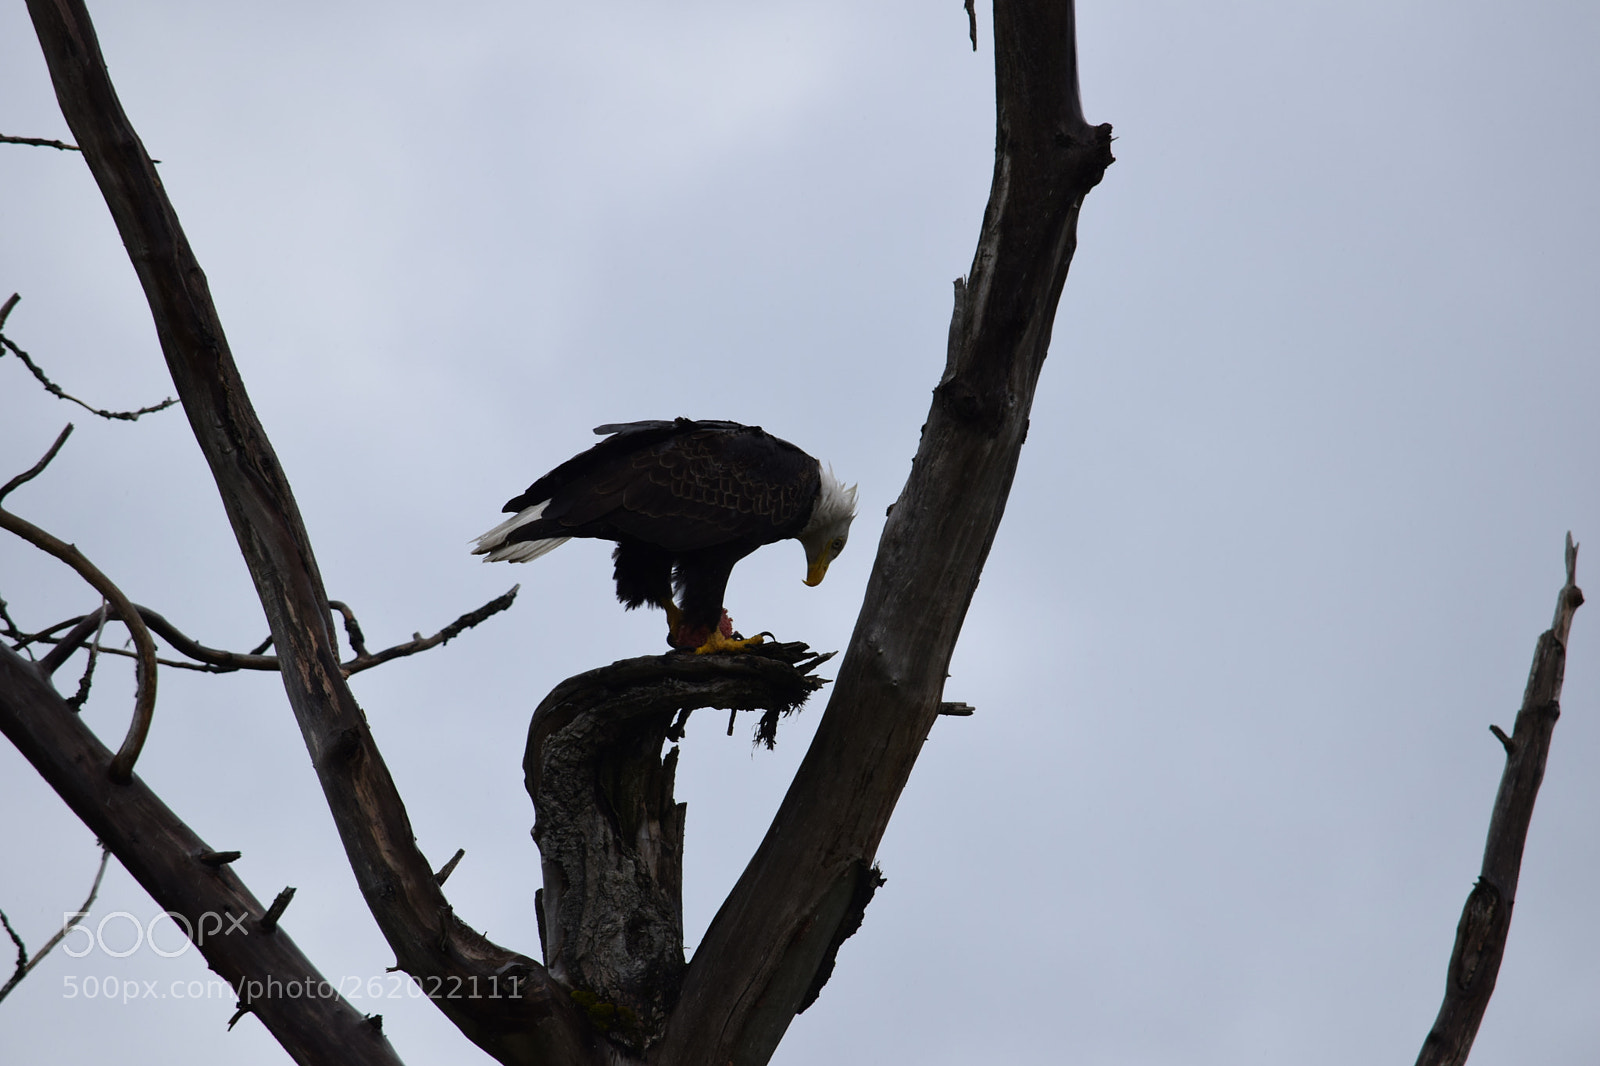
[25, 962]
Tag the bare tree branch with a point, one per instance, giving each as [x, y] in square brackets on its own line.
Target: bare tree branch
[217, 661]
[763, 951]
[65, 647]
[540, 1023]
[363, 661]
[167, 858]
[1486, 919]
[38, 142]
[25, 965]
[11, 632]
[144, 703]
[56, 390]
[352, 628]
[37, 468]
[44, 636]
[80, 697]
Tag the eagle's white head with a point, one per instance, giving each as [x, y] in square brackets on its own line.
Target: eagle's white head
[824, 536]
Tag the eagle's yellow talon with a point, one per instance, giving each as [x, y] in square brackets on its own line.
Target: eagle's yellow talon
[719, 643]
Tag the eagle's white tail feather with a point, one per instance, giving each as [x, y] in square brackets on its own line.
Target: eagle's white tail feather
[523, 551]
[493, 544]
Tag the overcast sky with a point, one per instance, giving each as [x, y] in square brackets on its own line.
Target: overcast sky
[1320, 408]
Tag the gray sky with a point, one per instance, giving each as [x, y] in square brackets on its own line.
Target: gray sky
[1319, 411]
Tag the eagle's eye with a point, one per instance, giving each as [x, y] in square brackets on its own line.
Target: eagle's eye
[837, 545]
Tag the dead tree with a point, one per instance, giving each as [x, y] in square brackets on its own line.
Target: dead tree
[615, 987]
[773, 940]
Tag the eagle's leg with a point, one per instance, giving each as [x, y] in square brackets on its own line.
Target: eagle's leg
[674, 616]
[702, 578]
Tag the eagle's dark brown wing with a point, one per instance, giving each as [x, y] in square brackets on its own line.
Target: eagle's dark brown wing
[681, 486]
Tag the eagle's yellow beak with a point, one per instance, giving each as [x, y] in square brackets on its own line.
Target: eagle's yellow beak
[816, 569]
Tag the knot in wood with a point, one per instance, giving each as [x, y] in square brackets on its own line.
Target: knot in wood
[1478, 938]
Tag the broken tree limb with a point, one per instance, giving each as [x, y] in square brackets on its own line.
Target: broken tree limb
[610, 833]
[1486, 918]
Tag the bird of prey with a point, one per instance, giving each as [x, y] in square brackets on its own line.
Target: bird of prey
[684, 501]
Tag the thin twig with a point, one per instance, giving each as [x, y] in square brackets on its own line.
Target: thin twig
[24, 964]
[11, 631]
[221, 661]
[217, 661]
[179, 664]
[448, 633]
[40, 142]
[57, 391]
[37, 468]
[88, 625]
[352, 628]
[972, 23]
[79, 698]
[5, 308]
[22, 955]
[45, 636]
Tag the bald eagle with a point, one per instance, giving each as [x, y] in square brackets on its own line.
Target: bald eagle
[684, 501]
